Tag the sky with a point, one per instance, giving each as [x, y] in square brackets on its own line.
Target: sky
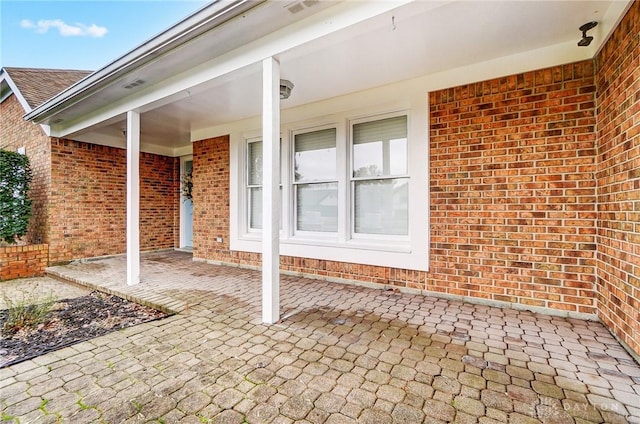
[82, 34]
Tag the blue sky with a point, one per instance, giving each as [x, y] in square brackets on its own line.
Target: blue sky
[82, 34]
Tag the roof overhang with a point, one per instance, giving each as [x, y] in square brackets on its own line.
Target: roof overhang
[211, 16]
[205, 70]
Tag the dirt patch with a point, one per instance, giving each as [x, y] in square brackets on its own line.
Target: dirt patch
[71, 321]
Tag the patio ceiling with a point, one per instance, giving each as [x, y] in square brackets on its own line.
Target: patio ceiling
[418, 39]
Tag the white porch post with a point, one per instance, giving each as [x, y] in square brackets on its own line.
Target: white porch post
[133, 197]
[270, 190]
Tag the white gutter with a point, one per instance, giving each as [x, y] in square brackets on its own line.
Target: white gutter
[205, 19]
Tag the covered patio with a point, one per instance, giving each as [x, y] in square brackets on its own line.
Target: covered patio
[340, 354]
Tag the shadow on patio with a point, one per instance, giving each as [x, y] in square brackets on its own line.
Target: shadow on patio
[343, 354]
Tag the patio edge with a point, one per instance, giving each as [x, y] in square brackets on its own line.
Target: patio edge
[132, 298]
[409, 290]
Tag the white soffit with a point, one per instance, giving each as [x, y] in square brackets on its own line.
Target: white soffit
[453, 42]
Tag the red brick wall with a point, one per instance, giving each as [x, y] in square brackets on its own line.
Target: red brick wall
[618, 84]
[87, 211]
[23, 261]
[513, 195]
[15, 133]
[159, 201]
[211, 203]
[512, 190]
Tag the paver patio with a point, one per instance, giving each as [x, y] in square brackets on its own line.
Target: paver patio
[341, 354]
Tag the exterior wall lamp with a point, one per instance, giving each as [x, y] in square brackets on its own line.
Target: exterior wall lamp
[285, 89]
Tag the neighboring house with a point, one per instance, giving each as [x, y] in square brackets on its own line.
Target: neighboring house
[467, 149]
[21, 91]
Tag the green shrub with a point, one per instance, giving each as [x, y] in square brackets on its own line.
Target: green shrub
[15, 204]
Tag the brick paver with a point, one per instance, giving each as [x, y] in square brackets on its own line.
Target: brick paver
[341, 354]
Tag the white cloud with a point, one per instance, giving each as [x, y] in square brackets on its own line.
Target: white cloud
[66, 30]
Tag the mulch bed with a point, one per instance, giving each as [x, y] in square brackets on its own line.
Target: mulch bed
[71, 321]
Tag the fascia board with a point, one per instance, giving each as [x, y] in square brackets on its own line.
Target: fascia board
[321, 24]
[201, 21]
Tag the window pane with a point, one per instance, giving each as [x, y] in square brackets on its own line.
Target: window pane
[367, 160]
[254, 157]
[398, 156]
[315, 155]
[380, 147]
[255, 208]
[317, 207]
[255, 163]
[381, 207]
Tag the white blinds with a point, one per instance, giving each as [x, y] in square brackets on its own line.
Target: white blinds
[381, 130]
[315, 156]
[316, 140]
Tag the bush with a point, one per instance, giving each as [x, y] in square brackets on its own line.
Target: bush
[15, 205]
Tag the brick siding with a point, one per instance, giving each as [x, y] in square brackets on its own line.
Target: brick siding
[211, 202]
[87, 211]
[159, 201]
[23, 261]
[16, 133]
[618, 88]
[513, 195]
[512, 190]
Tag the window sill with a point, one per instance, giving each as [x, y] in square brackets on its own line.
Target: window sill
[402, 256]
[359, 244]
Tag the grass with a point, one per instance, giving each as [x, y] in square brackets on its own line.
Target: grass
[7, 417]
[43, 405]
[26, 310]
[82, 405]
[136, 405]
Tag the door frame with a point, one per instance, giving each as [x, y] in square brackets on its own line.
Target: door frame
[183, 221]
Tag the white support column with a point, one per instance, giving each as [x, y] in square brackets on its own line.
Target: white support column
[133, 197]
[270, 190]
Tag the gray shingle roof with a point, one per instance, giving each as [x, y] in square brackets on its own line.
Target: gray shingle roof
[39, 85]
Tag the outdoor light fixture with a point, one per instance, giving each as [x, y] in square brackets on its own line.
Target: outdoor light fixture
[285, 89]
[586, 39]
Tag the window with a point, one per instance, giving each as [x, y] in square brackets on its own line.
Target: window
[254, 184]
[345, 185]
[375, 200]
[354, 180]
[315, 181]
[379, 178]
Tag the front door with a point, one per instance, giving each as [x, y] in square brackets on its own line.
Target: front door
[186, 212]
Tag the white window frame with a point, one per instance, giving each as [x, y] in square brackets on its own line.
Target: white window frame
[351, 181]
[248, 187]
[256, 233]
[293, 231]
[404, 252]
